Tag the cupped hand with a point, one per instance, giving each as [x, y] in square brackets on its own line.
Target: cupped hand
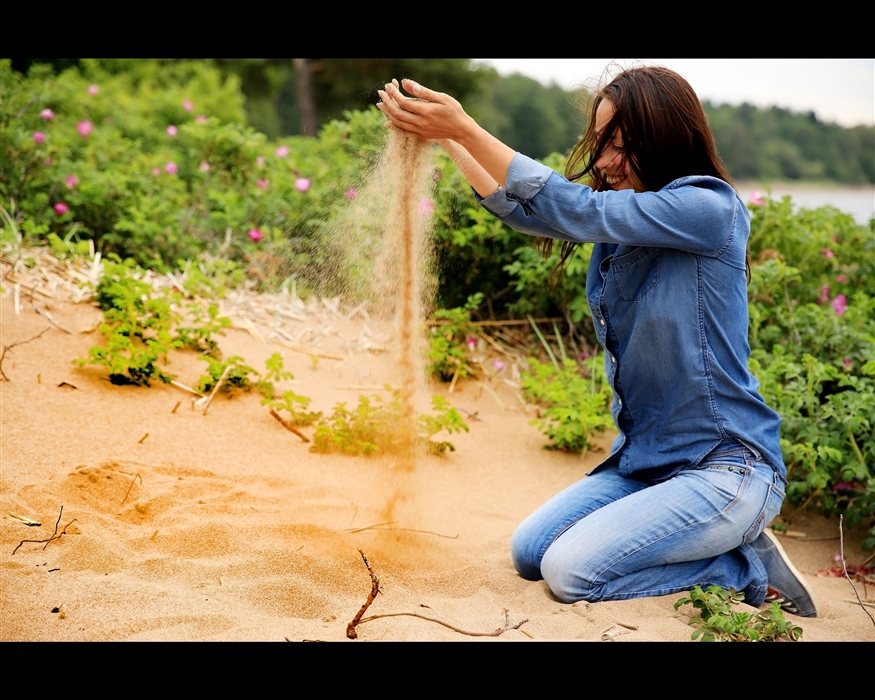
[428, 114]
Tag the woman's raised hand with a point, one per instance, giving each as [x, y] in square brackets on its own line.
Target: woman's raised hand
[428, 114]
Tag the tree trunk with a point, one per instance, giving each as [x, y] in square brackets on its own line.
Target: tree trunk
[303, 71]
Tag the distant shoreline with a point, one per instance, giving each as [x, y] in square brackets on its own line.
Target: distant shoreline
[856, 200]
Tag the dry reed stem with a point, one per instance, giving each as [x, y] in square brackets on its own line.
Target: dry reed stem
[310, 351]
[216, 388]
[133, 481]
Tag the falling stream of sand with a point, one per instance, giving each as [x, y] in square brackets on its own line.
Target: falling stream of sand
[383, 252]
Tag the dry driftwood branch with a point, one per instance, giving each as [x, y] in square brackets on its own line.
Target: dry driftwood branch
[288, 426]
[845, 569]
[497, 633]
[375, 590]
[55, 536]
[16, 344]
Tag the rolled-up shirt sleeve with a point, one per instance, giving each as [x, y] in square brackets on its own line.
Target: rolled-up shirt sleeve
[696, 213]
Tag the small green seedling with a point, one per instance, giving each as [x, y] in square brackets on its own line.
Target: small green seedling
[378, 426]
[716, 620]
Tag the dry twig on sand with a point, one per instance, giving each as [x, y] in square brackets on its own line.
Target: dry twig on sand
[133, 481]
[16, 344]
[382, 527]
[375, 589]
[55, 536]
[496, 633]
[845, 569]
[288, 426]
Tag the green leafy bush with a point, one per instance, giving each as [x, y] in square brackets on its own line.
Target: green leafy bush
[138, 327]
[576, 400]
[448, 341]
[716, 620]
[812, 334]
[141, 325]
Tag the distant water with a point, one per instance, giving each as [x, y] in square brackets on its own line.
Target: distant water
[857, 201]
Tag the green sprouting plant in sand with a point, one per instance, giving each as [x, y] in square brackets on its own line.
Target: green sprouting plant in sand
[377, 426]
[205, 323]
[717, 621]
[138, 325]
[575, 400]
[295, 406]
[237, 374]
[142, 325]
[448, 341]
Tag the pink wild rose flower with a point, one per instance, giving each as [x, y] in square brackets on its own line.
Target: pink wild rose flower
[171, 168]
[255, 234]
[71, 181]
[426, 207]
[756, 197]
[282, 151]
[84, 128]
[302, 184]
[39, 137]
[61, 209]
[172, 130]
[262, 184]
[187, 105]
[351, 193]
[823, 295]
[840, 304]
[47, 114]
[93, 89]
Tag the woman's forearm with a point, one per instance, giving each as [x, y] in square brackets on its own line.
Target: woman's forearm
[482, 182]
[488, 155]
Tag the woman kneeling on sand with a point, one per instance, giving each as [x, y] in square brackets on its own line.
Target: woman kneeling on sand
[695, 473]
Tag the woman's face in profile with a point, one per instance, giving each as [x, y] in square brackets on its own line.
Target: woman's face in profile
[612, 161]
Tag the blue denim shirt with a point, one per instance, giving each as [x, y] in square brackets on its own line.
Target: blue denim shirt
[667, 290]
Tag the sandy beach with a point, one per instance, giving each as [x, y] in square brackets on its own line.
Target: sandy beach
[185, 526]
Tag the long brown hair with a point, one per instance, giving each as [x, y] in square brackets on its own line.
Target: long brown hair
[666, 135]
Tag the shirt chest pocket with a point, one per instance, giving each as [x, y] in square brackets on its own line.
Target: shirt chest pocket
[636, 273]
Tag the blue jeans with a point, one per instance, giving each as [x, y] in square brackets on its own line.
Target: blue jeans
[608, 537]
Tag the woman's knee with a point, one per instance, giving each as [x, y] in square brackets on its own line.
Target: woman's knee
[567, 584]
[525, 553]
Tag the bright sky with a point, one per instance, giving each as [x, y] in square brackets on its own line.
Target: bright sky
[837, 90]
